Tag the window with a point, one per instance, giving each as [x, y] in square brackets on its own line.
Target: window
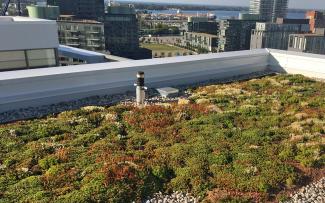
[291, 41]
[41, 58]
[300, 42]
[12, 60]
[295, 42]
[305, 43]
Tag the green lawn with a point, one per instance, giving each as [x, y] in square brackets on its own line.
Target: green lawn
[240, 142]
[161, 47]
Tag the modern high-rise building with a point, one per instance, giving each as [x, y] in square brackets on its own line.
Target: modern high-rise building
[82, 9]
[235, 35]
[121, 29]
[122, 32]
[202, 25]
[269, 10]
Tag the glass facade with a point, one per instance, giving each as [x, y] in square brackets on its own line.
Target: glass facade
[25, 59]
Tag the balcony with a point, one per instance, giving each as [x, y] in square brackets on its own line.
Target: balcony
[93, 32]
[73, 44]
[72, 37]
[94, 45]
[94, 39]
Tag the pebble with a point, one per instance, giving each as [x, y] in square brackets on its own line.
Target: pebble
[314, 192]
[175, 197]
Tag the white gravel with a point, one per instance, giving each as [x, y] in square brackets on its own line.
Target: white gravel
[313, 193]
[176, 197]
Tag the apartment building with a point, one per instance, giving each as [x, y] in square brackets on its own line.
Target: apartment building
[201, 42]
[308, 43]
[276, 35]
[83, 34]
[235, 34]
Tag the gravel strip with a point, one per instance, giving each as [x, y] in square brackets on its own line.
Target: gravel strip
[107, 100]
[313, 193]
[176, 197]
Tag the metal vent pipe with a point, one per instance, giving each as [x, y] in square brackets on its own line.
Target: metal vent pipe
[140, 89]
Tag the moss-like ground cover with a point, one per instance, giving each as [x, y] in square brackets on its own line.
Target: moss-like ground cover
[161, 47]
[239, 142]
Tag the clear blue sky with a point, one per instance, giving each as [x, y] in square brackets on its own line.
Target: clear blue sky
[308, 4]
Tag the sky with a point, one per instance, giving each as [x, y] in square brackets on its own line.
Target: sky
[307, 4]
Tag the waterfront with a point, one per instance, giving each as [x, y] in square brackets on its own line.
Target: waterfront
[221, 14]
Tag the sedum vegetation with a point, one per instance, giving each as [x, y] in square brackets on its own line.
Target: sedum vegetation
[238, 142]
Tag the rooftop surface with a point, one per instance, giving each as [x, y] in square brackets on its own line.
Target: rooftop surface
[127, 64]
[8, 19]
[255, 140]
[78, 51]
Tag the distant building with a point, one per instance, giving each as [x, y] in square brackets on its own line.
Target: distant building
[27, 43]
[248, 16]
[269, 10]
[203, 25]
[82, 9]
[83, 34]
[235, 35]
[276, 35]
[44, 11]
[308, 43]
[316, 19]
[122, 32]
[201, 42]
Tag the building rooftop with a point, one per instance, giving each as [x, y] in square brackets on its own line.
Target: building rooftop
[16, 19]
[78, 51]
[308, 35]
[85, 55]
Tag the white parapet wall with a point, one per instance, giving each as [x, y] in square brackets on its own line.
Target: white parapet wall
[35, 87]
[310, 65]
